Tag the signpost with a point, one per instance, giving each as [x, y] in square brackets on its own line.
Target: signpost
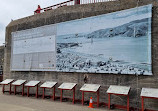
[7, 82]
[19, 83]
[90, 88]
[32, 84]
[118, 90]
[148, 93]
[67, 86]
[48, 85]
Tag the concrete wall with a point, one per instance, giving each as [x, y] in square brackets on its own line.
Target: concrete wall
[1, 62]
[1, 56]
[80, 11]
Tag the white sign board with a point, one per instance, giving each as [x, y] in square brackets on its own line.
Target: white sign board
[34, 49]
[32, 83]
[149, 92]
[118, 89]
[67, 85]
[7, 81]
[18, 82]
[48, 84]
[90, 87]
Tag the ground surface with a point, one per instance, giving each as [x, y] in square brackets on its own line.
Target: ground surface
[19, 103]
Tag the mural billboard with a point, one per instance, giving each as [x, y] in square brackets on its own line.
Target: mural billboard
[118, 43]
[34, 49]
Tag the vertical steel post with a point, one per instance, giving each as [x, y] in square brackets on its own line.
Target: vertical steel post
[98, 98]
[37, 92]
[108, 100]
[82, 97]
[127, 102]
[73, 95]
[142, 104]
[10, 89]
[61, 95]
[43, 93]
[14, 89]
[23, 89]
[3, 88]
[54, 93]
[28, 91]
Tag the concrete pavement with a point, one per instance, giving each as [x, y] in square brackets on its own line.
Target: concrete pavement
[19, 103]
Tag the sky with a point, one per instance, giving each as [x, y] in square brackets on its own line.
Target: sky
[16, 9]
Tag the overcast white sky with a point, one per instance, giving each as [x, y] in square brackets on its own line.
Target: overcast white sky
[15, 9]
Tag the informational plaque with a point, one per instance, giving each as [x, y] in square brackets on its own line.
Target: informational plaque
[149, 92]
[34, 49]
[7, 81]
[19, 82]
[67, 85]
[118, 89]
[32, 83]
[90, 87]
[48, 84]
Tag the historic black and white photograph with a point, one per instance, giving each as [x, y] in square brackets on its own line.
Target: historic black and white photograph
[118, 43]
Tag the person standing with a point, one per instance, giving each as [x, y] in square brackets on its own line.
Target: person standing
[38, 9]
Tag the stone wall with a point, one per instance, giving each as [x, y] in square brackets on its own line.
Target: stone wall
[81, 11]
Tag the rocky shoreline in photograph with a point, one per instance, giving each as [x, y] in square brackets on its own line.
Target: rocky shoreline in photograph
[70, 62]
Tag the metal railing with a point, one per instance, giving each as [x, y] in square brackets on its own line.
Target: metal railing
[70, 3]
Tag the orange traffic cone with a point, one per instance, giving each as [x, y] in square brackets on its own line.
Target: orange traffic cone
[91, 103]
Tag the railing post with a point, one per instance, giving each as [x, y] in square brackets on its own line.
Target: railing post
[72, 2]
[77, 2]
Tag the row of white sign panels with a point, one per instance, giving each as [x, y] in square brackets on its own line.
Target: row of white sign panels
[124, 90]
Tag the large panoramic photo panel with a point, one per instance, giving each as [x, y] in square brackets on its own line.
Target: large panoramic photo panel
[118, 43]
